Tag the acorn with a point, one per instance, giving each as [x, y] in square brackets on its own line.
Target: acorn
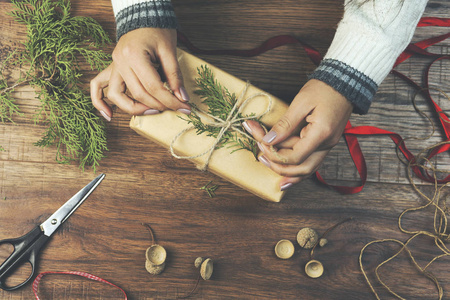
[154, 269]
[323, 242]
[155, 259]
[156, 254]
[284, 249]
[307, 238]
[206, 269]
[314, 269]
[198, 262]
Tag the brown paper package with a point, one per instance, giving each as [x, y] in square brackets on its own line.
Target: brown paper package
[240, 167]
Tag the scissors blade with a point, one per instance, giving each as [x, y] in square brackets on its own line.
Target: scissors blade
[65, 211]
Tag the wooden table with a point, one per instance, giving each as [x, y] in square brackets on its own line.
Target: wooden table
[144, 184]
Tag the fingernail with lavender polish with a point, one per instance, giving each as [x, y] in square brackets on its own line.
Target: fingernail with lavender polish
[268, 138]
[286, 186]
[151, 112]
[185, 111]
[247, 128]
[264, 161]
[260, 147]
[107, 118]
[184, 94]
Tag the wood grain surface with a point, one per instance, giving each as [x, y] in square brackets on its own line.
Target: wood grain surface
[144, 184]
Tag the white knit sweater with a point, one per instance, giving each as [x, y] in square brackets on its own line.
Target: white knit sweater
[368, 40]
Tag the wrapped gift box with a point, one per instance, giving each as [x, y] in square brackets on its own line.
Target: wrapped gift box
[240, 167]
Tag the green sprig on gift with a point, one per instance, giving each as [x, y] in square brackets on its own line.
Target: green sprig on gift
[220, 103]
[50, 61]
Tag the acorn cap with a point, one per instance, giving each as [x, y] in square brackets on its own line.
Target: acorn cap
[154, 269]
[314, 269]
[284, 249]
[307, 238]
[156, 254]
[323, 242]
[206, 269]
[198, 262]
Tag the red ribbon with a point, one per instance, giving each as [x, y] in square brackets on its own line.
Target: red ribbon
[82, 274]
[350, 133]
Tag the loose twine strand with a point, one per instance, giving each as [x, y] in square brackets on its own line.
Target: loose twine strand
[228, 124]
[440, 222]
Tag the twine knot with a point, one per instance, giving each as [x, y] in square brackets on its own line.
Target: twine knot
[230, 123]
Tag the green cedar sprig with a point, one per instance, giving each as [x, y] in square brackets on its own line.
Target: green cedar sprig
[56, 45]
[220, 102]
[210, 189]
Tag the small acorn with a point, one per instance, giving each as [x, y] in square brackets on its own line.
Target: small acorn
[314, 269]
[206, 269]
[155, 259]
[156, 254]
[154, 269]
[284, 249]
[307, 238]
[323, 242]
[198, 262]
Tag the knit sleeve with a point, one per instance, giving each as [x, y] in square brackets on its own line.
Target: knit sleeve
[133, 14]
[368, 40]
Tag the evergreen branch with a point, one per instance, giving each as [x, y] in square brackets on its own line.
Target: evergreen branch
[55, 43]
[210, 189]
[220, 102]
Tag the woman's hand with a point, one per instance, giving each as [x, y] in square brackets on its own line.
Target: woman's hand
[322, 114]
[133, 68]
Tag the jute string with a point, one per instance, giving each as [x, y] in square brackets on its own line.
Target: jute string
[440, 222]
[230, 123]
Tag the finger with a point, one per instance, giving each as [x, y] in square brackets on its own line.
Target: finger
[302, 149]
[151, 81]
[257, 131]
[97, 85]
[288, 123]
[132, 82]
[174, 76]
[287, 182]
[304, 170]
[116, 94]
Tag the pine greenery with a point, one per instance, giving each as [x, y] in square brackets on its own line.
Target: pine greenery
[56, 45]
[220, 102]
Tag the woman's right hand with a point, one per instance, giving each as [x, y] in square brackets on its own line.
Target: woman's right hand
[133, 68]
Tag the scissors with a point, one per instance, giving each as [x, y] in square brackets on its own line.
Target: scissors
[27, 247]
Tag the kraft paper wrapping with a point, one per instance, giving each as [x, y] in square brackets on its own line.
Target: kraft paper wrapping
[240, 167]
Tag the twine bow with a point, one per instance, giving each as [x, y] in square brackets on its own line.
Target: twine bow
[230, 123]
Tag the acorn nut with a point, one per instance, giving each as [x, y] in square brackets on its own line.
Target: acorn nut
[198, 262]
[307, 238]
[206, 269]
[156, 254]
[323, 242]
[155, 259]
[154, 269]
[284, 249]
[314, 269]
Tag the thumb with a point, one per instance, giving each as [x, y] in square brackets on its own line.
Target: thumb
[287, 125]
[174, 77]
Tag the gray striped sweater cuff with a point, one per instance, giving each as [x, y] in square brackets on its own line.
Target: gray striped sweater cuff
[358, 88]
[154, 13]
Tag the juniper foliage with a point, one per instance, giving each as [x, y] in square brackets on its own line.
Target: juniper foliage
[50, 61]
[220, 102]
